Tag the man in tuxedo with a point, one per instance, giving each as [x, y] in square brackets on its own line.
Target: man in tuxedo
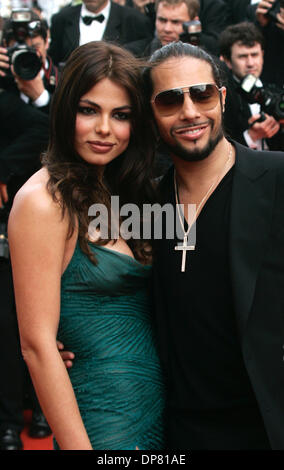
[95, 20]
[242, 50]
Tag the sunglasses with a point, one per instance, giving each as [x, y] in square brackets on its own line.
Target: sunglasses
[204, 95]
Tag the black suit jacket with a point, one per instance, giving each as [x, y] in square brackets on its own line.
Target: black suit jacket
[24, 135]
[212, 15]
[238, 10]
[256, 252]
[126, 26]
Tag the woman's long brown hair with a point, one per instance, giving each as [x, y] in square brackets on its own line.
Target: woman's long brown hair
[76, 184]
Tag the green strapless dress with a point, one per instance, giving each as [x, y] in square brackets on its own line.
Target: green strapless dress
[116, 375]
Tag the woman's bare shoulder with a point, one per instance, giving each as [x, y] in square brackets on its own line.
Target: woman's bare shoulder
[34, 192]
[33, 204]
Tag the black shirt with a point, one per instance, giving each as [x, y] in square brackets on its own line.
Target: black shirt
[211, 404]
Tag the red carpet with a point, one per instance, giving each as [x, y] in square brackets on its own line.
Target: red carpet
[34, 444]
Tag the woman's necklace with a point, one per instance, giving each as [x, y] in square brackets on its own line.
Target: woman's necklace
[184, 247]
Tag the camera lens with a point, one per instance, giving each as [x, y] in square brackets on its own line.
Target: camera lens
[26, 64]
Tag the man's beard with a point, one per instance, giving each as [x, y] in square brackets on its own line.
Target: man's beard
[196, 154]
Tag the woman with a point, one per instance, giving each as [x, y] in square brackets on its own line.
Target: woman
[91, 294]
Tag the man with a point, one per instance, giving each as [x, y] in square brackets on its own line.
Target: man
[95, 20]
[171, 14]
[24, 107]
[272, 28]
[241, 48]
[38, 90]
[220, 319]
[23, 136]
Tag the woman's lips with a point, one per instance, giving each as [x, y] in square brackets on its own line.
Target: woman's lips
[100, 147]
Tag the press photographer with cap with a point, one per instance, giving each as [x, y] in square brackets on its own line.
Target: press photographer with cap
[25, 66]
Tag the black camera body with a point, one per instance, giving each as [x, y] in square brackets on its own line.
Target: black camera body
[191, 32]
[24, 59]
[272, 12]
[271, 102]
[4, 245]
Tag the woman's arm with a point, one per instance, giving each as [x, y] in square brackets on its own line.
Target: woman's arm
[37, 238]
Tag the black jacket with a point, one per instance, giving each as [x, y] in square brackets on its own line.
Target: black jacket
[256, 253]
[126, 26]
[24, 133]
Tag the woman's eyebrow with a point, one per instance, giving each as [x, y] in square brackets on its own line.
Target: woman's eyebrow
[89, 102]
[92, 103]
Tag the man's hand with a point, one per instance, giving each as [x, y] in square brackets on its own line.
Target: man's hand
[31, 88]
[66, 356]
[261, 10]
[265, 129]
[261, 14]
[3, 194]
[280, 19]
[4, 61]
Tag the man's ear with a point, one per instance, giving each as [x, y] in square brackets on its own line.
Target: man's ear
[223, 97]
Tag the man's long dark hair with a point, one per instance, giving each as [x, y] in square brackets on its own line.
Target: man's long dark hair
[178, 50]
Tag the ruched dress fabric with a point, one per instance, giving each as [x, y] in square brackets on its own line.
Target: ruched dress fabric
[106, 321]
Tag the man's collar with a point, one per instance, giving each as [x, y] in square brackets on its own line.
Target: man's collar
[105, 11]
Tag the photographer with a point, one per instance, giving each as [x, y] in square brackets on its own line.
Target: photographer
[24, 106]
[25, 67]
[246, 119]
[23, 136]
[270, 19]
[195, 21]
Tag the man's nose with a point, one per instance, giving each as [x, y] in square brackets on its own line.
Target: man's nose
[250, 61]
[168, 26]
[189, 110]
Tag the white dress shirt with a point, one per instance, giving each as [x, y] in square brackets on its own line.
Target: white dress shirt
[94, 31]
[259, 144]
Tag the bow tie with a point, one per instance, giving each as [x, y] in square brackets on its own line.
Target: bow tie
[89, 19]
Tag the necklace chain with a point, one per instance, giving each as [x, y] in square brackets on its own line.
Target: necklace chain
[203, 200]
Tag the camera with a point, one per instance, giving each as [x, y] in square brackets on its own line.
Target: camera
[4, 246]
[271, 101]
[150, 10]
[191, 32]
[24, 59]
[272, 12]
